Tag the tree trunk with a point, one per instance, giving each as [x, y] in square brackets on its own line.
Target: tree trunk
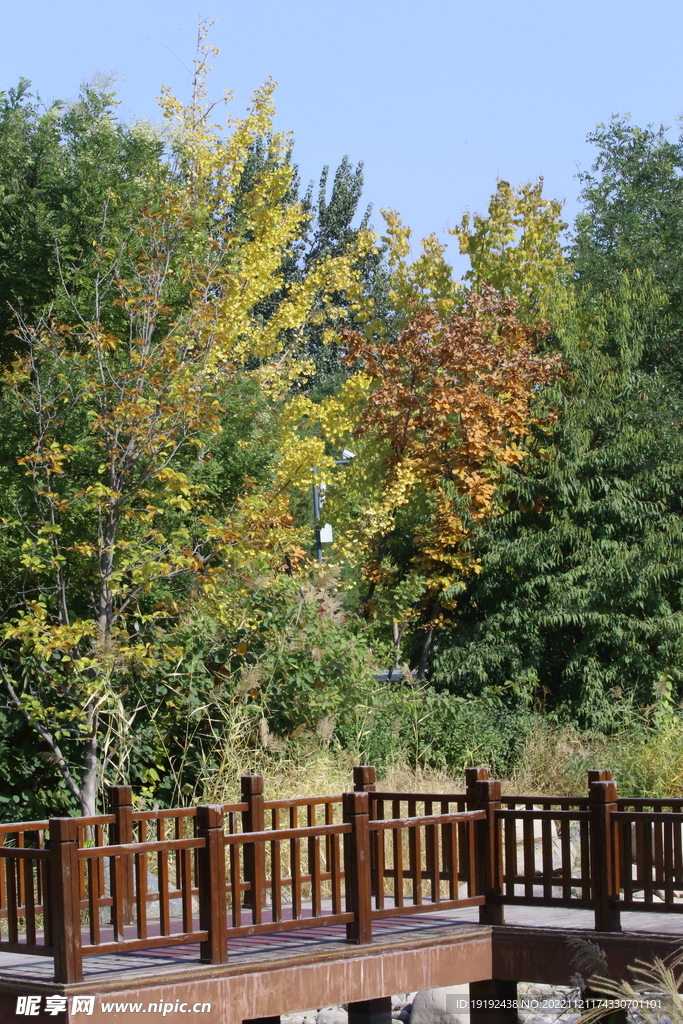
[88, 793]
[426, 647]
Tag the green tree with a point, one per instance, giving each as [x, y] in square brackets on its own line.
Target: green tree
[580, 595]
[72, 180]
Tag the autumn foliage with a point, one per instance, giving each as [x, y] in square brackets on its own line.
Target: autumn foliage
[451, 402]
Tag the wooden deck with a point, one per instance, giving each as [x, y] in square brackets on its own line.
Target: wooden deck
[276, 973]
[257, 912]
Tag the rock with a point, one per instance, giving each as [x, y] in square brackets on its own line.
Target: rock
[441, 1006]
[403, 1015]
[332, 1015]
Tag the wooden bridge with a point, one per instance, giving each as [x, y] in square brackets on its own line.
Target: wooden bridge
[248, 910]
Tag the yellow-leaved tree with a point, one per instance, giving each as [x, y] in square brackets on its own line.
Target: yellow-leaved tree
[112, 518]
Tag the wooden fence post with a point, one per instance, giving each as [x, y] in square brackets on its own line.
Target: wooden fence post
[598, 775]
[603, 796]
[211, 885]
[65, 913]
[364, 778]
[253, 820]
[485, 796]
[472, 776]
[365, 781]
[120, 801]
[357, 868]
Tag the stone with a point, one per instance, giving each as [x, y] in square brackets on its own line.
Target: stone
[448, 1005]
[332, 1015]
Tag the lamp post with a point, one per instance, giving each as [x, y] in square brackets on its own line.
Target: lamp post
[324, 535]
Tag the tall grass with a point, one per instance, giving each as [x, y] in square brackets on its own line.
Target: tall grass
[645, 754]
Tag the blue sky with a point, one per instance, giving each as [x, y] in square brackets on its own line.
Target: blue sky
[438, 98]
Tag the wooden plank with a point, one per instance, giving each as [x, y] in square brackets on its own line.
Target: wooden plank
[472, 874]
[528, 855]
[668, 862]
[27, 869]
[584, 842]
[433, 847]
[627, 859]
[378, 840]
[141, 893]
[164, 905]
[566, 855]
[335, 871]
[314, 867]
[116, 877]
[415, 855]
[678, 854]
[186, 885]
[276, 880]
[235, 878]
[12, 900]
[94, 894]
[451, 858]
[295, 862]
[658, 848]
[510, 854]
[547, 857]
[647, 861]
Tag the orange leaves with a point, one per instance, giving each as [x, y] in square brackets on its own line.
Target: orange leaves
[452, 401]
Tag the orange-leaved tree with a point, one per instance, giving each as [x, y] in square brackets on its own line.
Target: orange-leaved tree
[448, 408]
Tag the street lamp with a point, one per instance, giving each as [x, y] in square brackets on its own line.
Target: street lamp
[323, 535]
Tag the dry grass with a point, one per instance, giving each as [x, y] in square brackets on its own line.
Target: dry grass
[645, 756]
[646, 759]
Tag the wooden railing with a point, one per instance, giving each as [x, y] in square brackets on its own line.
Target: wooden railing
[129, 880]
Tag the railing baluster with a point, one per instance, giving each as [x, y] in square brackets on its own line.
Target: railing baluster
[397, 836]
[236, 887]
[141, 893]
[295, 866]
[547, 857]
[678, 854]
[12, 900]
[415, 853]
[377, 838]
[29, 898]
[164, 905]
[566, 855]
[276, 880]
[335, 870]
[94, 893]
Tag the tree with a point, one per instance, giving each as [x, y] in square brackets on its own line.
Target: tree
[579, 595]
[517, 247]
[113, 419]
[631, 221]
[71, 179]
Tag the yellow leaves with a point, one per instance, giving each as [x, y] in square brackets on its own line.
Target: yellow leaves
[35, 632]
[517, 248]
[426, 282]
[302, 461]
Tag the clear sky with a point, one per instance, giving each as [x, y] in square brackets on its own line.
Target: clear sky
[439, 98]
